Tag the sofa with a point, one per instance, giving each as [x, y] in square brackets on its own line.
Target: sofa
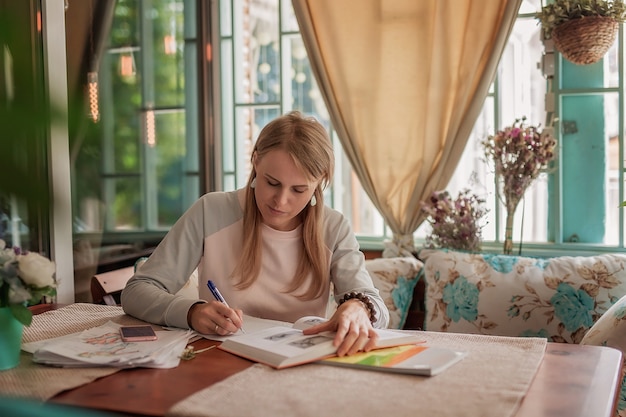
[558, 298]
[564, 299]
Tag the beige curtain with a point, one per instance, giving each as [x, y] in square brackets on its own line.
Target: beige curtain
[404, 81]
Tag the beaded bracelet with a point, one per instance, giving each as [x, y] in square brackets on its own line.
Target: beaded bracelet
[362, 298]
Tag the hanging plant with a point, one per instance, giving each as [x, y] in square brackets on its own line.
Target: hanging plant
[582, 30]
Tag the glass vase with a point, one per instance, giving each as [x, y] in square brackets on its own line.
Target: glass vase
[511, 206]
[10, 339]
[508, 234]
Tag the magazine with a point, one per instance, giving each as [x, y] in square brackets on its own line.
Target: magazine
[103, 346]
[407, 359]
[285, 346]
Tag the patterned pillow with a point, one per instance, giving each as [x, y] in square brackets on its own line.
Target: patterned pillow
[610, 330]
[395, 279]
[557, 298]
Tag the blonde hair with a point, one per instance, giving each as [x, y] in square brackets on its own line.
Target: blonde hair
[308, 144]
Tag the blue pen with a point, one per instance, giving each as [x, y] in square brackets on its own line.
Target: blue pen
[218, 296]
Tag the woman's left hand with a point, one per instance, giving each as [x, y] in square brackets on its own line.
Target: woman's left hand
[353, 327]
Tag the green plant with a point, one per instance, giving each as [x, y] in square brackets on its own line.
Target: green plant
[25, 277]
[561, 11]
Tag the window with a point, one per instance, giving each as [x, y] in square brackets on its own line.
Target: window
[519, 91]
[265, 72]
[24, 195]
[137, 170]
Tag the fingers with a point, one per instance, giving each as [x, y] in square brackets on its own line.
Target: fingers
[371, 341]
[322, 327]
[354, 329]
[215, 318]
[352, 340]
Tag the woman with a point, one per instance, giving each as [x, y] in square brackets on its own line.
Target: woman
[272, 248]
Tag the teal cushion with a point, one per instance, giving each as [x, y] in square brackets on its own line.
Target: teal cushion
[395, 279]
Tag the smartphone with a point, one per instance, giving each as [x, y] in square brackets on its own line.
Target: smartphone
[139, 333]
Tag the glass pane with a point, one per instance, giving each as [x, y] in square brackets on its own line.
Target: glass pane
[119, 183]
[288, 17]
[118, 123]
[228, 105]
[124, 213]
[14, 217]
[249, 122]
[170, 167]
[124, 30]
[474, 173]
[125, 151]
[530, 6]
[366, 220]
[256, 65]
[225, 13]
[166, 57]
[300, 89]
[522, 86]
[611, 65]
[521, 92]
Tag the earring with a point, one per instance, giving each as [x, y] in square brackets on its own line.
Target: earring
[313, 201]
[253, 183]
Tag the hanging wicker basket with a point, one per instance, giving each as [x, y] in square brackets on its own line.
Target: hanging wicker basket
[586, 40]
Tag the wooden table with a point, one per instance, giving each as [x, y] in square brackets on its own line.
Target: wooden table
[573, 380]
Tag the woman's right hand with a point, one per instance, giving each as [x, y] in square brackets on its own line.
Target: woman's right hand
[214, 317]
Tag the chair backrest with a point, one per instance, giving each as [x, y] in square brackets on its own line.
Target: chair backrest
[107, 287]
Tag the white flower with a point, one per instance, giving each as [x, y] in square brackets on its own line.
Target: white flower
[17, 293]
[36, 270]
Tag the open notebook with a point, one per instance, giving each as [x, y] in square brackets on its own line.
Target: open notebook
[285, 345]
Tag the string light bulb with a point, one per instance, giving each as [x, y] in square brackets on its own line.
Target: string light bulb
[169, 43]
[92, 89]
[127, 64]
[92, 77]
[150, 128]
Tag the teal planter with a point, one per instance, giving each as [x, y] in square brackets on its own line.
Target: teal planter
[10, 339]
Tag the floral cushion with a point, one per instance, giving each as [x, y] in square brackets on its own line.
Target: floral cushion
[556, 298]
[610, 330]
[395, 279]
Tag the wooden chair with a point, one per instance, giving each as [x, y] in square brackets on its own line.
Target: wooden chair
[107, 287]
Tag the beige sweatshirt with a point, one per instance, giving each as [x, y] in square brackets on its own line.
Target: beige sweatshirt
[209, 236]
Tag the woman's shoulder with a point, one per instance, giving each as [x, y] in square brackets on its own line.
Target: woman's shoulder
[336, 223]
[334, 216]
[222, 204]
[221, 197]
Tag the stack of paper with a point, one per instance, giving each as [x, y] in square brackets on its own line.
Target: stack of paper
[103, 346]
